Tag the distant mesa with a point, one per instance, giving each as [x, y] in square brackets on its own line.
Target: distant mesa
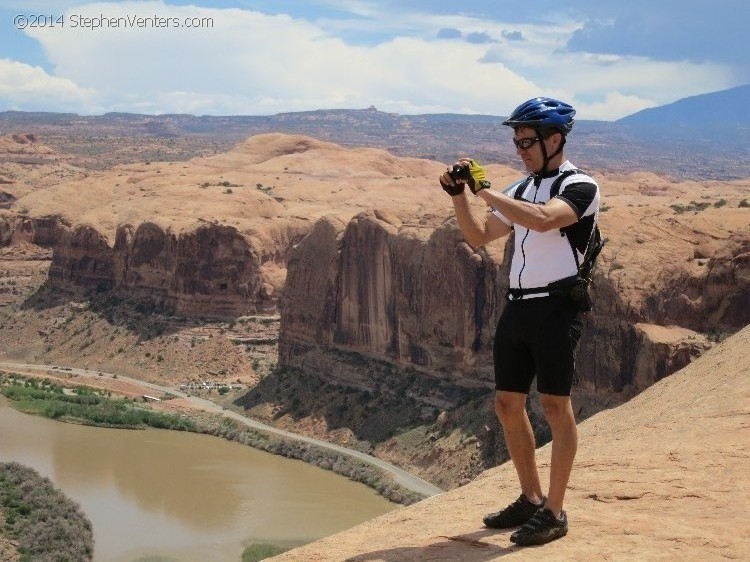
[727, 108]
[660, 140]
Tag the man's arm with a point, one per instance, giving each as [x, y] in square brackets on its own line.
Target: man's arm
[555, 213]
[478, 230]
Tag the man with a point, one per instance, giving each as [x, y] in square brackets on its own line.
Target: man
[538, 332]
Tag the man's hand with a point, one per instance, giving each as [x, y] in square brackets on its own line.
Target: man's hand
[477, 179]
[451, 187]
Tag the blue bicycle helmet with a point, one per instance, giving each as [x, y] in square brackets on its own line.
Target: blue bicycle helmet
[543, 113]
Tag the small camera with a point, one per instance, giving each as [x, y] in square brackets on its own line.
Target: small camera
[460, 172]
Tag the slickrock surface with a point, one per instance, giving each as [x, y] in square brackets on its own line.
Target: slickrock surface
[23, 144]
[662, 477]
[261, 185]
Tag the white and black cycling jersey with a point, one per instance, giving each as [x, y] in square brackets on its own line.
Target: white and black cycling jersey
[539, 258]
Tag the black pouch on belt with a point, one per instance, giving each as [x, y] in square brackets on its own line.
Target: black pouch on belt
[575, 288]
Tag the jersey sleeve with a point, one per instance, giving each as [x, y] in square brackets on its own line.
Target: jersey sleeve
[579, 196]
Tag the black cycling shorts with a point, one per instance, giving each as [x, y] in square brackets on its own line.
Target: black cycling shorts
[537, 336]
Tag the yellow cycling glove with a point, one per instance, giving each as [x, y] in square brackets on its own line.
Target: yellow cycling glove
[471, 173]
[477, 179]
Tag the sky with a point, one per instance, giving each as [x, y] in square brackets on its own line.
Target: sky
[608, 58]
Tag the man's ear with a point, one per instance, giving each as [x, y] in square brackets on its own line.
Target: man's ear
[555, 140]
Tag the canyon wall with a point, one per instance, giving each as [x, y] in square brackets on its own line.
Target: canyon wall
[420, 297]
[42, 231]
[415, 296]
[209, 237]
[407, 290]
[213, 272]
[385, 275]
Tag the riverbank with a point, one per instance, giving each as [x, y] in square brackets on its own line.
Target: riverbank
[39, 520]
[212, 419]
[83, 404]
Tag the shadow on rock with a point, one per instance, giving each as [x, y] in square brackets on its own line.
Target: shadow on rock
[461, 548]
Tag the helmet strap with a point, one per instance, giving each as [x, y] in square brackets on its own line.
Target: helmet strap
[544, 153]
[547, 157]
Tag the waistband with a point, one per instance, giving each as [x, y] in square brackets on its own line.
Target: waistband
[532, 293]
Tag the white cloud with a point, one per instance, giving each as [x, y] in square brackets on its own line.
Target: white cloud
[634, 83]
[253, 63]
[614, 103]
[24, 87]
[605, 86]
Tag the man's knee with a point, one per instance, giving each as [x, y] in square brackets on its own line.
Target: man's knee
[510, 406]
[557, 409]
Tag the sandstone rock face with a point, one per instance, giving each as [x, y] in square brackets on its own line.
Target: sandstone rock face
[23, 144]
[213, 271]
[386, 274]
[7, 227]
[6, 199]
[210, 237]
[413, 294]
[83, 258]
[655, 352]
[42, 231]
[421, 297]
[688, 272]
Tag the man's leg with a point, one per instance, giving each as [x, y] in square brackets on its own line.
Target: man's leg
[555, 368]
[510, 408]
[559, 413]
[519, 438]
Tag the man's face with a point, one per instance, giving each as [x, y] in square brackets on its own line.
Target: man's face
[532, 156]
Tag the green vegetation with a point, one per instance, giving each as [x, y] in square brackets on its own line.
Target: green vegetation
[744, 204]
[716, 336]
[46, 524]
[84, 405]
[354, 469]
[261, 551]
[693, 206]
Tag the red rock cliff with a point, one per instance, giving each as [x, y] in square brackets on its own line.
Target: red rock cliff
[419, 296]
[209, 237]
[213, 271]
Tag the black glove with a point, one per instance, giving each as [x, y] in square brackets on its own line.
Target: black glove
[452, 190]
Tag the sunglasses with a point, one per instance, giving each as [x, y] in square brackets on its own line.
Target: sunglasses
[526, 143]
